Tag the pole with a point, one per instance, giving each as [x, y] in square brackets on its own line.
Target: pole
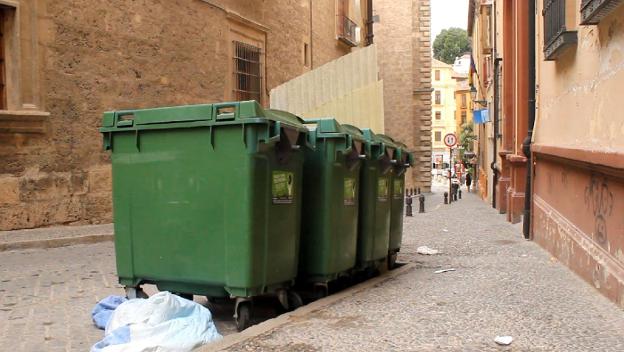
[450, 174]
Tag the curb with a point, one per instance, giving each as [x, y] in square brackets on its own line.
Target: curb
[256, 330]
[56, 242]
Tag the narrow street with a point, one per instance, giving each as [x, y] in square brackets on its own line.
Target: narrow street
[502, 285]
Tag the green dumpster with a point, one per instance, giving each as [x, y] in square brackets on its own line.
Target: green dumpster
[207, 200]
[374, 217]
[401, 160]
[330, 203]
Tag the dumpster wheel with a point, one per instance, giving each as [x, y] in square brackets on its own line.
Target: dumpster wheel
[243, 315]
[294, 300]
[321, 290]
[392, 258]
[135, 292]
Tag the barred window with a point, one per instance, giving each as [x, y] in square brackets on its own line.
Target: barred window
[247, 72]
[438, 97]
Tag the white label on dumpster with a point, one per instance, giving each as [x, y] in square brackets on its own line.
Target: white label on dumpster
[282, 187]
[349, 191]
[382, 189]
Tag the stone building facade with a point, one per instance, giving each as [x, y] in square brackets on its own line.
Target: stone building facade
[443, 110]
[402, 35]
[558, 82]
[65, 62]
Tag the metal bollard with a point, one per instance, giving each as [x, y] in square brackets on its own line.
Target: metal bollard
[421, 207]
[446, 200]
[418, 190]
[460, 194]
[408, 204]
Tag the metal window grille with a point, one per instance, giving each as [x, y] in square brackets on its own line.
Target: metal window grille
[554, 20]
[438, 97]
[247, 72]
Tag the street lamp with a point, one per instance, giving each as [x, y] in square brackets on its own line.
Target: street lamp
[473, 95]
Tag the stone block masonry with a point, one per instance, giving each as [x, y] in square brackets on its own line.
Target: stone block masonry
[80, 58]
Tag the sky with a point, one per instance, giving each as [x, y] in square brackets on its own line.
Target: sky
[448, 13]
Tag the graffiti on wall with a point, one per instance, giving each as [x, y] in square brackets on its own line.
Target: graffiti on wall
[599, 200]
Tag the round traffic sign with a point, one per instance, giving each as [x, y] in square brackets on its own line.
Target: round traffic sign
[450, 140]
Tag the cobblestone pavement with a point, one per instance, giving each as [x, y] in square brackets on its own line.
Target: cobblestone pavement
[502, 285]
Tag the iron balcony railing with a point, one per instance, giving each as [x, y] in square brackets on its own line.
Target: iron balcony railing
[556, 35]
[592, 11]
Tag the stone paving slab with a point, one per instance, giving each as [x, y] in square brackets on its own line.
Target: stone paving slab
[502, 285]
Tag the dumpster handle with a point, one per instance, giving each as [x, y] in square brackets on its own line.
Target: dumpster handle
[124, 119]
[216, 109]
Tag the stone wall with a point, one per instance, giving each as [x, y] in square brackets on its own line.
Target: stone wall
[94, 56]
[422, 92]
[403, 38]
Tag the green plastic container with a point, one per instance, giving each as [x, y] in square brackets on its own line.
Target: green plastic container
[330, 201]
[401, 160]
[207, 198]
[375, 203]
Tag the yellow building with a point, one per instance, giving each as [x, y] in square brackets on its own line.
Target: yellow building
[442, 111]
[463, 102]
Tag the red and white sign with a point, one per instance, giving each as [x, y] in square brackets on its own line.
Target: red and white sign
[450, 140]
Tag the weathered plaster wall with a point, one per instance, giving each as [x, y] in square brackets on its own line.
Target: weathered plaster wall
[579, 101]
[578, 217]
[97, 56]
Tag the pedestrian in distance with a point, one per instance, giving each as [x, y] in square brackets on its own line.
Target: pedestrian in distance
[468, 181]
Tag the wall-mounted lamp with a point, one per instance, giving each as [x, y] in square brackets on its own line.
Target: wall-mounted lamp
[473, 95]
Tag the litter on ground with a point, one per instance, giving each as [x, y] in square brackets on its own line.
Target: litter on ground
[443, 270]
[424, 250]
[503, 340]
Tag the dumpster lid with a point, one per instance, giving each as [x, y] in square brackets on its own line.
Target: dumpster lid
[213, 114]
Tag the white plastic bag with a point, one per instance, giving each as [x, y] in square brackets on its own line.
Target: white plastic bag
[163, 322]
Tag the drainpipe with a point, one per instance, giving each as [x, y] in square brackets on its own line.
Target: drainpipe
[496, 98]
[526, 145]
[369, 22]
[494, 165]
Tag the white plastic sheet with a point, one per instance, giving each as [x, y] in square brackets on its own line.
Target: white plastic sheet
[162, 323]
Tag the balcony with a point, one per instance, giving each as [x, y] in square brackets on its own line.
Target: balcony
[556, 36]
[348, 31]
[593, 11]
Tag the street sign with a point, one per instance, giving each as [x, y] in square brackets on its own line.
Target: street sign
[450, 140]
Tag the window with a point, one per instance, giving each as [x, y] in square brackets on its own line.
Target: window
[557, 38]
[438, 136]
[306, 55]
[463, 117]
[247, 72]
[438, 97]
[593, 11]
[437, 75]
[463, 101]
[347, 31]
[438, 115]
